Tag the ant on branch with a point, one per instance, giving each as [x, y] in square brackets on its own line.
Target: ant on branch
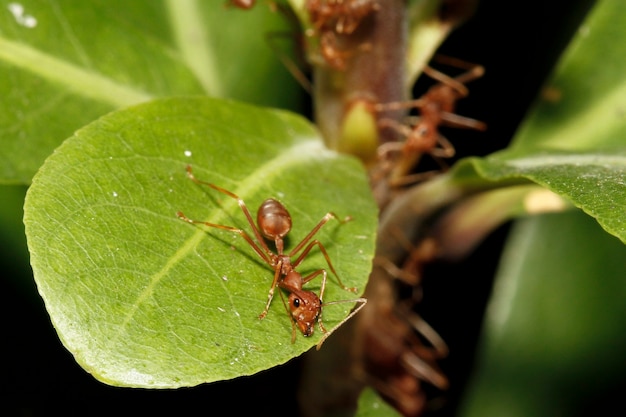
[436, 109]
[335, 21]
[343, 16]
[274, 223]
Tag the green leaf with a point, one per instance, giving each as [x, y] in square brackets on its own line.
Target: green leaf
[65, 65]
[371, 405]
[574, 143]
[553, 334]
[144, 299]
[594, 181]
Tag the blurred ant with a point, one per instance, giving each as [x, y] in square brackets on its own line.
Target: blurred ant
[342, 16]
[249, 4]
[242, 4]
[436, 108]
[274, 223]
[333, 21]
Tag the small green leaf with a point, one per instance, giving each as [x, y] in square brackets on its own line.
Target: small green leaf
[144, 299]
[371, 405]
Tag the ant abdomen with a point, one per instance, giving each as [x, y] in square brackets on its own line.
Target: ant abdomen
[273, 219]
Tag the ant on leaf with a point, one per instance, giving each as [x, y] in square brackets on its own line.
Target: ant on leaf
[274, 223]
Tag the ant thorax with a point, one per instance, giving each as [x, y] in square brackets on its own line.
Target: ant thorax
[286, 268]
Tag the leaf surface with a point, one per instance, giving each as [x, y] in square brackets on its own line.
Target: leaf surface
[65, 64]
[144, 299]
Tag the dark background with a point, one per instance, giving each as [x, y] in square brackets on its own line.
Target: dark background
[518, 43]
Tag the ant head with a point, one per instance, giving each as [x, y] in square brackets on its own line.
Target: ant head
[273, 219]
[305, 307]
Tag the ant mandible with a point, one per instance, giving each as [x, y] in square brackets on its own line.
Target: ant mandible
[274, 223]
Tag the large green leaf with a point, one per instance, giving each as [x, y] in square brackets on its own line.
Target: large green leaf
[144, 299]
[575, 143]
[65, 64]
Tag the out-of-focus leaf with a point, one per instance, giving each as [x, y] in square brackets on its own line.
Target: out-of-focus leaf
[594, 181]
[574, 140]
[65, 64]
[144, 299]
[583, 105]
[14, 257]
[371, 405]
[553, 336]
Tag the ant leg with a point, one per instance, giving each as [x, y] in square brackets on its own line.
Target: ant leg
[306, 251]
[321, 296]
[400, 105]
[422, 369]
[413, 178]
[270, 294]
[430, 334]
[445, 151]
[389, 147]
[243, 207]
[454, 120]
[400, 128]
[313, 275]
[293, 322]
[474, 71]
[240, 232]
[325, 219]
[454, 83]
[287, 62]
[361, 301]
[396, 272]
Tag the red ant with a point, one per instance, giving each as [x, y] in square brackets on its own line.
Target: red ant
[436, 108]
[333, 21]
[342, 16]
[274, 223]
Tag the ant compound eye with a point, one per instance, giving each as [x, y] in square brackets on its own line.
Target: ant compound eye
[296, 302]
